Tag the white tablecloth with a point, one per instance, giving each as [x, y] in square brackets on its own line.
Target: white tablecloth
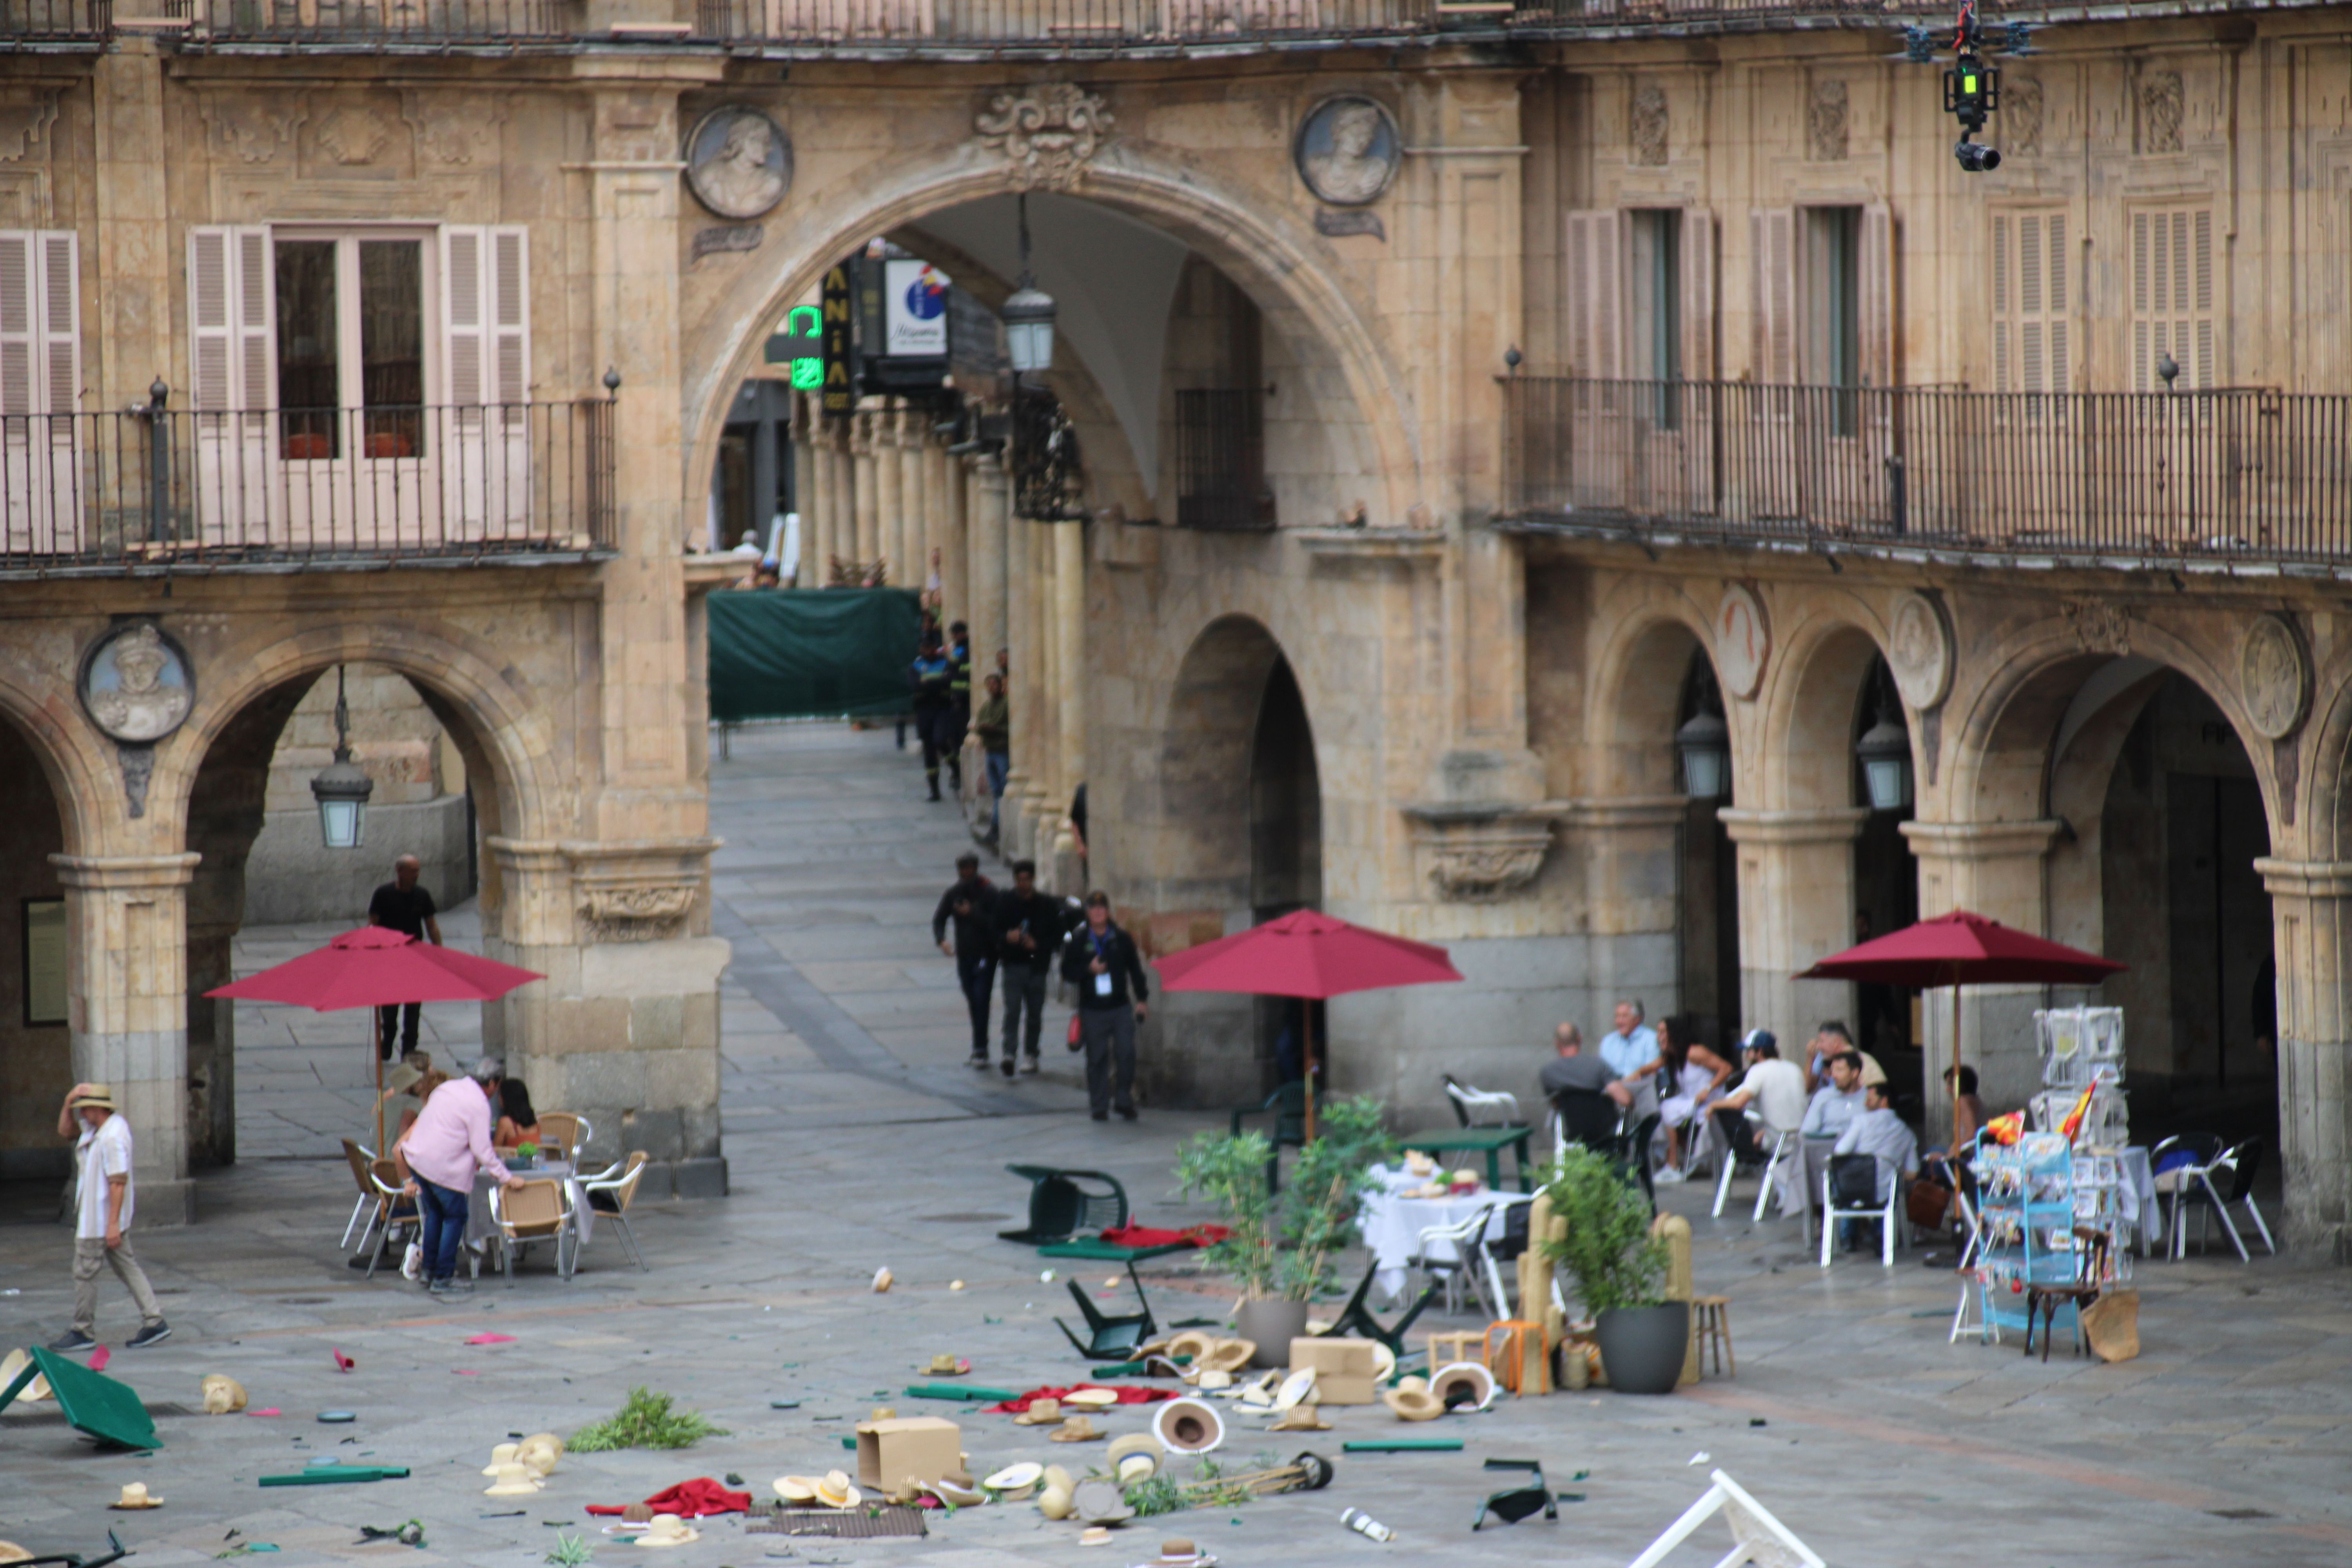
[2137, 1194]
[1391, 1226]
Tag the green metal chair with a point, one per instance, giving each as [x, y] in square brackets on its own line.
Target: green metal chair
[1064, 1202]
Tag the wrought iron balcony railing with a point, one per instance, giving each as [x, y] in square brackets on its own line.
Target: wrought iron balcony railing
[2243, 475]
[312, 486]
[380, 22]
[55, 21]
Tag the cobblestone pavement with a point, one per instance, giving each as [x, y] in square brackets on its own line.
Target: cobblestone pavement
[856, 1140]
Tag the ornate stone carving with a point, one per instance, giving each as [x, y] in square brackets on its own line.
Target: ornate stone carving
[2161, 102]
[354, 135]
[1648, 126]
[136, 685]
[2101, 625]
[2273, 677]
[634, 911]
[21, 125]
[1046, 133]
[1347, 150]
[1825, 121]
[1477, 853]
[2020, 118]
[1743, 640]
[455, 129]
[739, 161]
[255, 128]
[1919, 651]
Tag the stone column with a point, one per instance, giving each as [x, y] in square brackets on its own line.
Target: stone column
[1069, 546]
[1994, 870]
[2311, 920]
[127, 947]
[919, 506]
[1796, 905]
[864, 494]
[128, 316]
[982, 520]
[840, 495]
[1026, 690]
[807, 485]
[1048, 797]
[890, 499]
[943, 482]
[1632, 877]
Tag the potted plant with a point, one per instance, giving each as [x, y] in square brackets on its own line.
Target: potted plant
[1619, 1270]
[1282, 1249]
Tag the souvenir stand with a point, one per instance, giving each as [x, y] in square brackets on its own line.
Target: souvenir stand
[2046, 1197]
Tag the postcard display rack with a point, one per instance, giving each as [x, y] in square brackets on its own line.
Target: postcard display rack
[2045, 1200]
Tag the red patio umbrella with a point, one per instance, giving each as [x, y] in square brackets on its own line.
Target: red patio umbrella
[376, 967]
[1310, 955]
[1963, 949]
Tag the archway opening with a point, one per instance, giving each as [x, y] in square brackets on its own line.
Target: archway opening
[1709, 873]
[1286, 850]
[284, 1083]
[35, 1047]
[1885, 897]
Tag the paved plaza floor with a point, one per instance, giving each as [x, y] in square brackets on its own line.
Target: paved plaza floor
[857, 1140]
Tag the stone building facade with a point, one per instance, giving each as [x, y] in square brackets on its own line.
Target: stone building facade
[1594, 369]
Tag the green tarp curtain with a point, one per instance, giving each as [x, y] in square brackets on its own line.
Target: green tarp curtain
[792, 654]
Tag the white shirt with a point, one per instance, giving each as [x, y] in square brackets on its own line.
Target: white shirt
[104, 1153]
[1779, 1092]
[1882, 1133]
[1832, 1110]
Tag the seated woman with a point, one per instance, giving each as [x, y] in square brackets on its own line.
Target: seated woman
[518, 1123]
[1697, 1074]
[1969, 1119]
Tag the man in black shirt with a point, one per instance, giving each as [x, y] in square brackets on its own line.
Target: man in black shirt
[971, 902]
[1100, 959]
[1029, 926]
[402, 905]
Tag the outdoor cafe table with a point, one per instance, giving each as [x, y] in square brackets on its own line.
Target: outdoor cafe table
[1392, 1224]
[1488, 1141]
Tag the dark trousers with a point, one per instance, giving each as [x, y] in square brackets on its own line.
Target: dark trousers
[1109, 1035]
[396, 1023]
[1024, 991]
[442, 1211]
[977, 976]
[936, 726]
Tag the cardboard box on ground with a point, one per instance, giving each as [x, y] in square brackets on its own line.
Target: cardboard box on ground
[907, 1448]
[1345, 1370]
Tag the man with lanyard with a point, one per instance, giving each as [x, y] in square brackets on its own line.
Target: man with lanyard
[1100, 959]
[970, 903]
[402, 905]
[959, 701]
[1029, 926]
[934, 711]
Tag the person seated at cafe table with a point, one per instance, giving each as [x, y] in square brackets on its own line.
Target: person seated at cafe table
[1837, 1102]
[1829, 1042]
[1876, 1130]
[1968, 1109]
[1573, 1072]
[518, 1123]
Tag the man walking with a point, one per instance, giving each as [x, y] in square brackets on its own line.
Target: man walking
[102, 1228]
[449, 1143]
[1029, 927]
[970, 903]
[931, 674]
[1100, 959]
[993, 724]
[402, 905]
[959, 717]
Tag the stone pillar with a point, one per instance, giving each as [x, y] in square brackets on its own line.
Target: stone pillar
[1069, 546]
[128, 316]
[1026, 690]
[1994, 870]
[1796, 905]
[840, 495]
[890, 500]
[943, 483]
[917, 507]
[1047, 797]
[864, 494]
[1633, 886]
[807, 485]
[2311, 920]
[127, 943]
[982, 522]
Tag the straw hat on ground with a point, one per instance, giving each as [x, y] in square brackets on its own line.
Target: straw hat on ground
[835, 1491]
[1076, 1429]
[514, 1480]
[1055, 1476]
[1209, 1378]
[1180, 1554]
[1054, 1502]
[668, 1529]
[947, 1366]
[539, 1452]
[1412, 1403]
[1097, 1399]
[13, 1364]
[1041, 1413]
[1301, 1418]
[1096, 1535]
[1015, 1483]
[135, 1495]
[1135, 1457]
[223, 1395]
[1463, 1385]
[12, 1553]
[502, 1456]
[1191, 1342]
[1227, 1355]
[955, 1492]
[797, 1488]
[1188, 1426]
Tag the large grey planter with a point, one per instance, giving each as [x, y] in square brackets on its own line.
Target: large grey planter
[1271, 1325]
[1641, 1348]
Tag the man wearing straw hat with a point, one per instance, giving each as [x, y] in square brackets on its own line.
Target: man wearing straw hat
[103, 1232]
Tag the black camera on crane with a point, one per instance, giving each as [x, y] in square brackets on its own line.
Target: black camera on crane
[1971, 94]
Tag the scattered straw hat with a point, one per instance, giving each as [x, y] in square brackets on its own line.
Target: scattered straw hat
[1100, 1502]
[955, 1492]
[1180, 1553]
[1228, 1355]
[1301, 1418]
[1188, 1426]
[1096, 1535]
[668, 1529]
[1413, 1403]
[947, 1366]
[1041, 1413]
[1097, 1398]
[835, 1490]
[1015, 1483]
[223, 1395]
[514, 1480]
[1191, 1342]
[1076, 1429]
[15, 1363]
[502, 1456]
[135, 1495]
[1463, 1385]
[12, 1553]
[797, 1488]
[539, 1452]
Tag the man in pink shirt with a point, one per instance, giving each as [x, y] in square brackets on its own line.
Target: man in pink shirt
[449, 1142]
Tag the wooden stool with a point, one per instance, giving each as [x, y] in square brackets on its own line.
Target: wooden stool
[1444, 1349]
[1712, 1315]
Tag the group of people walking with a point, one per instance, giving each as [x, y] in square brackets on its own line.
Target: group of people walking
[1028, 936]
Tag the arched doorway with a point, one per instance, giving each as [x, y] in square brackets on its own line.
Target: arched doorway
[35, 1045]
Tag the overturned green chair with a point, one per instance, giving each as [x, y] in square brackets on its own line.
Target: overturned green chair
[1111, 1338]
[1064, 1202]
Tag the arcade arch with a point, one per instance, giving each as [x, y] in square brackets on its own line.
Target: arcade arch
[35, 1042]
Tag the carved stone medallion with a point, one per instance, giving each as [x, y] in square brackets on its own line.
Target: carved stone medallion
[1048, 135]
[1919, 651]
[1646, 132]
[1825, 121]
[2161, 102]
[1347, 150]
[135, 684]
[739, 161]
[1743, 640]
[2273, 678]
[2101, 625]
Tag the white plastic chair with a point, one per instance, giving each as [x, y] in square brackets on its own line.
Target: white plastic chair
[1467, 1237]
[361, 1157]
[1785, 1147]
[1886, 1213]
[2238, 1164]
[617, 1187]
[1483, 1107]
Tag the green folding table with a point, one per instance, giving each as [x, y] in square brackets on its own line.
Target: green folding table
[93, 1402]
[1488, 1141]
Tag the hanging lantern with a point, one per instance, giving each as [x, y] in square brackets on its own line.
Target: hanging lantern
[1704, 742]
[1028, 317]
[1885, 753]
[343, 787]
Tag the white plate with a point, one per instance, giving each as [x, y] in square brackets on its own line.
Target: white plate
[1025, 1474]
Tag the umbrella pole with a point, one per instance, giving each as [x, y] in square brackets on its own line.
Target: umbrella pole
[375, 1049]
[1952, 1146]
[1307, 1017]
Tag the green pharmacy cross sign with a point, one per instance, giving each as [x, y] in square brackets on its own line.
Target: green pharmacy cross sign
[800, 345]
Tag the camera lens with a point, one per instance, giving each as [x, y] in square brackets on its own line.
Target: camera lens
[1976, 160]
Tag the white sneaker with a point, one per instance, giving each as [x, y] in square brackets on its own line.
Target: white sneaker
[1666, 1176]
[412, 1262]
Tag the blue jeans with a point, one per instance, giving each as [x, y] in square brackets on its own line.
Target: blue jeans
[1000, 764]
[443, 1213]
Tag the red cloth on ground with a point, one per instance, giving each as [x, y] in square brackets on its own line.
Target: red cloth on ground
[1152, 1236]
[1129, 1393]
[689, 1500]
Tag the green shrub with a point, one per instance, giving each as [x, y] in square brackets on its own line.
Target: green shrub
[1608, 1250]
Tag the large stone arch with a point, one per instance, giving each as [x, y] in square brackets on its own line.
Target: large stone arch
[38, 702]
[1268, 252]
[1640, 672]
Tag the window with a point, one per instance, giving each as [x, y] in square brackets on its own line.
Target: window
[351, 333]
[40, 322]
[2172, 296]
[1641, 294]
[1834, 250]
[45, 961]
[1823, 301]
[2029, 335]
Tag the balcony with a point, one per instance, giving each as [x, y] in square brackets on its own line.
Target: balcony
[55, 21]
[95, 494]
[376, 24]
[2227, 480]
